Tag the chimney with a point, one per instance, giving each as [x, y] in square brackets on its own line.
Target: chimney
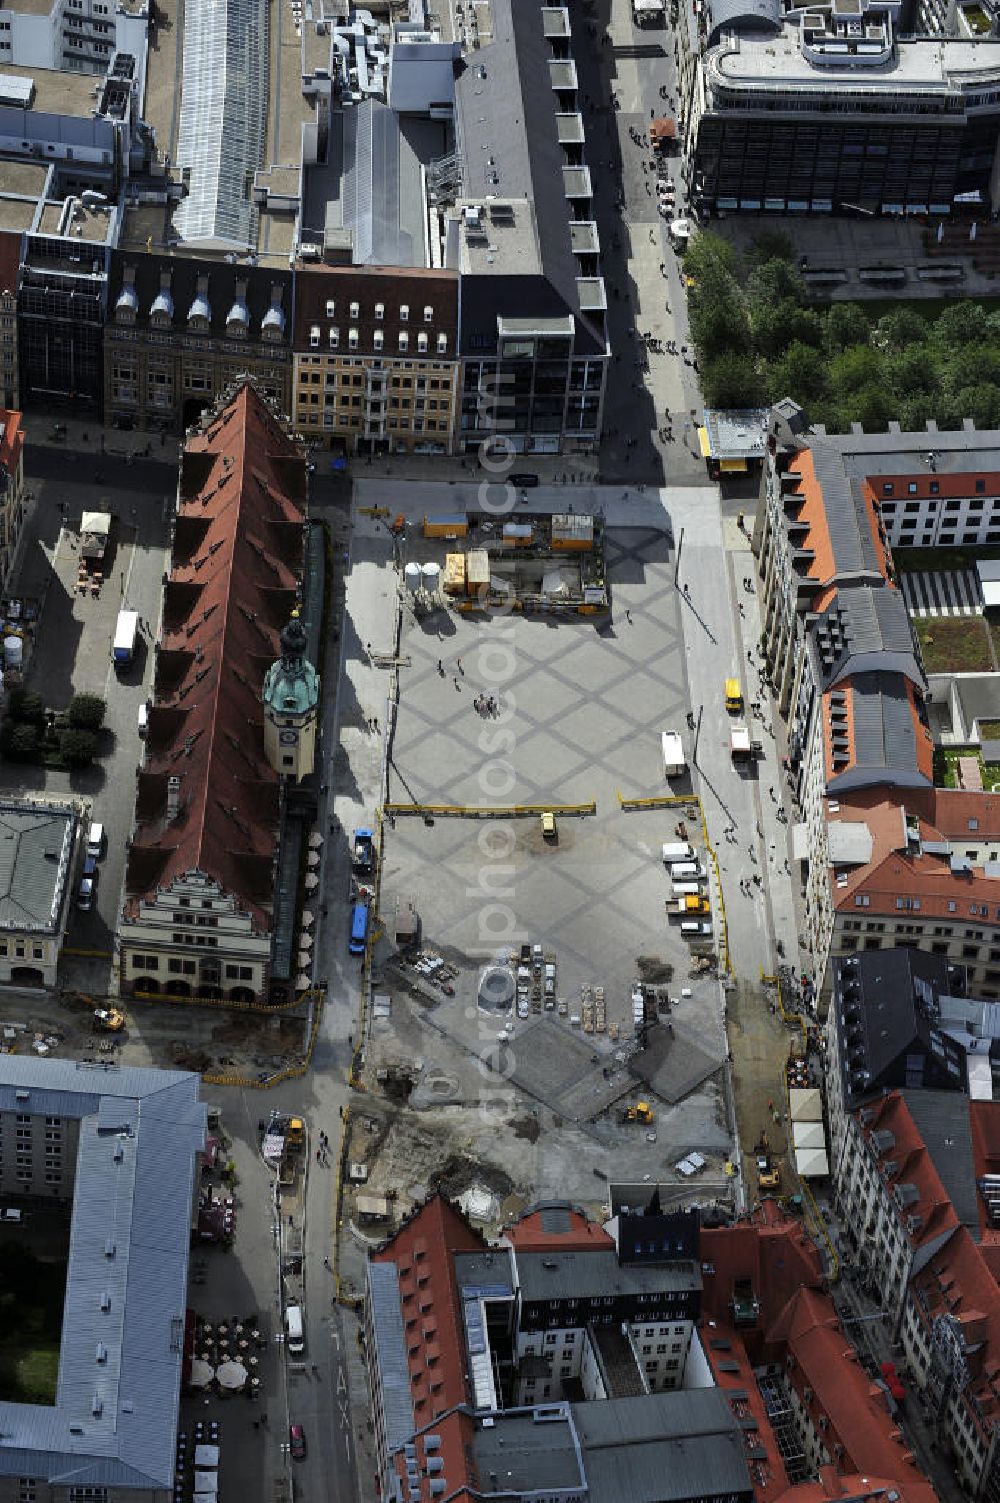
[173, 797]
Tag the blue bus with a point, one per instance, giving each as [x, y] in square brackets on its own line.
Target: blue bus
[359, 929]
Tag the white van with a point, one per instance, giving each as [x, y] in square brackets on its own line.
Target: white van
[143, 718]
[293, 1330]
[679, 850]
[684, 889]
[691, 927]
[687, 871]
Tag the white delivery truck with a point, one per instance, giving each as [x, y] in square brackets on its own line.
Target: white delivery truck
[293, 1330]
[126, 631]
[677, 850]
[673, 754]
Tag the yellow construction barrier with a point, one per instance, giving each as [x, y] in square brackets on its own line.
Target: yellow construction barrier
[491, 811]
[691, 801]
[291, 1072]
[373, 511]
[224, 1003]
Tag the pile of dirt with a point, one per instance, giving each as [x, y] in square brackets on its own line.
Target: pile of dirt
[653, 971]
[458, 1173]
[526, 1127]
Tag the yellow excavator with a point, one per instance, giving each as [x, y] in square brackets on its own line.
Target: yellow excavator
[768, 1171]
[640, 1112]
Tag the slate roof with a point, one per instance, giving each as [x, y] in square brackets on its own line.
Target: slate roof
[863, 628]
[505, 115]
[235, 569]
[393, 287]
[854, 548]
[682, 1444]
[558, 1274]
[885, 1004]
[114, 1421]
[147, 269]
[36, 850]
[942, 1120]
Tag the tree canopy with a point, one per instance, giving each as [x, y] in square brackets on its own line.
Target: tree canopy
[758, 338]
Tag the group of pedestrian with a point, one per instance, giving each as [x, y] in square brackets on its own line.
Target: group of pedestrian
[486, 704]
[323, 1151]
[748, 584]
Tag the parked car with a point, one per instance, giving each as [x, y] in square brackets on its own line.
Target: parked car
[95, 840]
[85, 894]
[526, 479]
[297, 1439]
[90, 866]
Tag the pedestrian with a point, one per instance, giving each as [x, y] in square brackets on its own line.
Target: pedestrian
[458, 664]
[440, 666]
[375, 725]
[628, 617]
[458, 686]
[319, 1156]
[326, 1262]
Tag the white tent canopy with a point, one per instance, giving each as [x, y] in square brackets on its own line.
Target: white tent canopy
[811, 1163]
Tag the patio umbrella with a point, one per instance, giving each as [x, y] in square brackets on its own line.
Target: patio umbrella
[313, 859]
[315, 840]
[303, 979]
[308, 918]
[202, 1373]
[312, 881]
[232, 1375]
[306, 941]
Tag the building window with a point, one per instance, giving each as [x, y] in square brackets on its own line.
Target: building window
[355, 310]
[428, 314]
[380, 310]
[331, 308]
[404, 313]
[404, 339]
[314, 337]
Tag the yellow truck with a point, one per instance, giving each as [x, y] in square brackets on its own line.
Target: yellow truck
[689, 906]
[734, 696]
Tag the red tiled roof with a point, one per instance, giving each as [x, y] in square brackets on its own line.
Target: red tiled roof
[422, 1251]
[10, 260]
[11, 440]
[958, 1282]
[895, 871]
[796, 1317]
[914, 1166]
[528, 1235]
[237, 560]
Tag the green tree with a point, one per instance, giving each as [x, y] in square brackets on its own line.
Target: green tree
[853, 369]
[731, 380]
[845, 324]
[910, 371]
[87, 711]
[959, 324]
[980, 403]
[800, 373]
[898, 330]
[709, 254]
[719, 326]
[775, 282]
[971, 365]
[777, 325]
[24, 704]
[20, 741]
[77, 748]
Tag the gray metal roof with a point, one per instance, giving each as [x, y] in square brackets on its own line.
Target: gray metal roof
[885, 738]
[683, 1444]
[737, 434]
[865, 627]
[390, 1352]
[524, 1454]
[223, 119]
[36, 850]
[589, 1274]
[382, 195]
[942, 1119]
[126, 1283]
[742, 15]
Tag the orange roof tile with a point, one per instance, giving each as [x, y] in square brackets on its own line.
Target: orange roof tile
[528, 1235]
[237, 560]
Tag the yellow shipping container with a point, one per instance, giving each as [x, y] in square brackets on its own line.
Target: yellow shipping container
[454, 574]
[446, 527]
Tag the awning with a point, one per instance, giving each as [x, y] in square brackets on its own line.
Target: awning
[805, 1104]
[811, 1163]
[705, 445]
[800, 842]
[733, 466]
[808, 1135]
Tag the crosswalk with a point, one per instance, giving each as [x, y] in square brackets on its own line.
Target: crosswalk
[946, 592]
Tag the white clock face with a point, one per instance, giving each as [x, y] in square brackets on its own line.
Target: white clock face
[288, 738]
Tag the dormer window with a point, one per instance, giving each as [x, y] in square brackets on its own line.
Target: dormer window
[442, 344]
[238, 317]
[200, 313]
[331, 308]
[355, 310]
[352, 338]
[161, 311]
[404, 313]
[272, 325]
[428, 314]
[314, 337]
[404, 340]
[127, 305]
[334, 337]
[380, 310]
[422, 343]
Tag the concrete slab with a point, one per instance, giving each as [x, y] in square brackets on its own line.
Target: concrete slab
[674, 1064]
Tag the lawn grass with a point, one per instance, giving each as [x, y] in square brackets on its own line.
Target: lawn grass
[913, 560]
[29, 1374]
[954, 644]
[31, 1306]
